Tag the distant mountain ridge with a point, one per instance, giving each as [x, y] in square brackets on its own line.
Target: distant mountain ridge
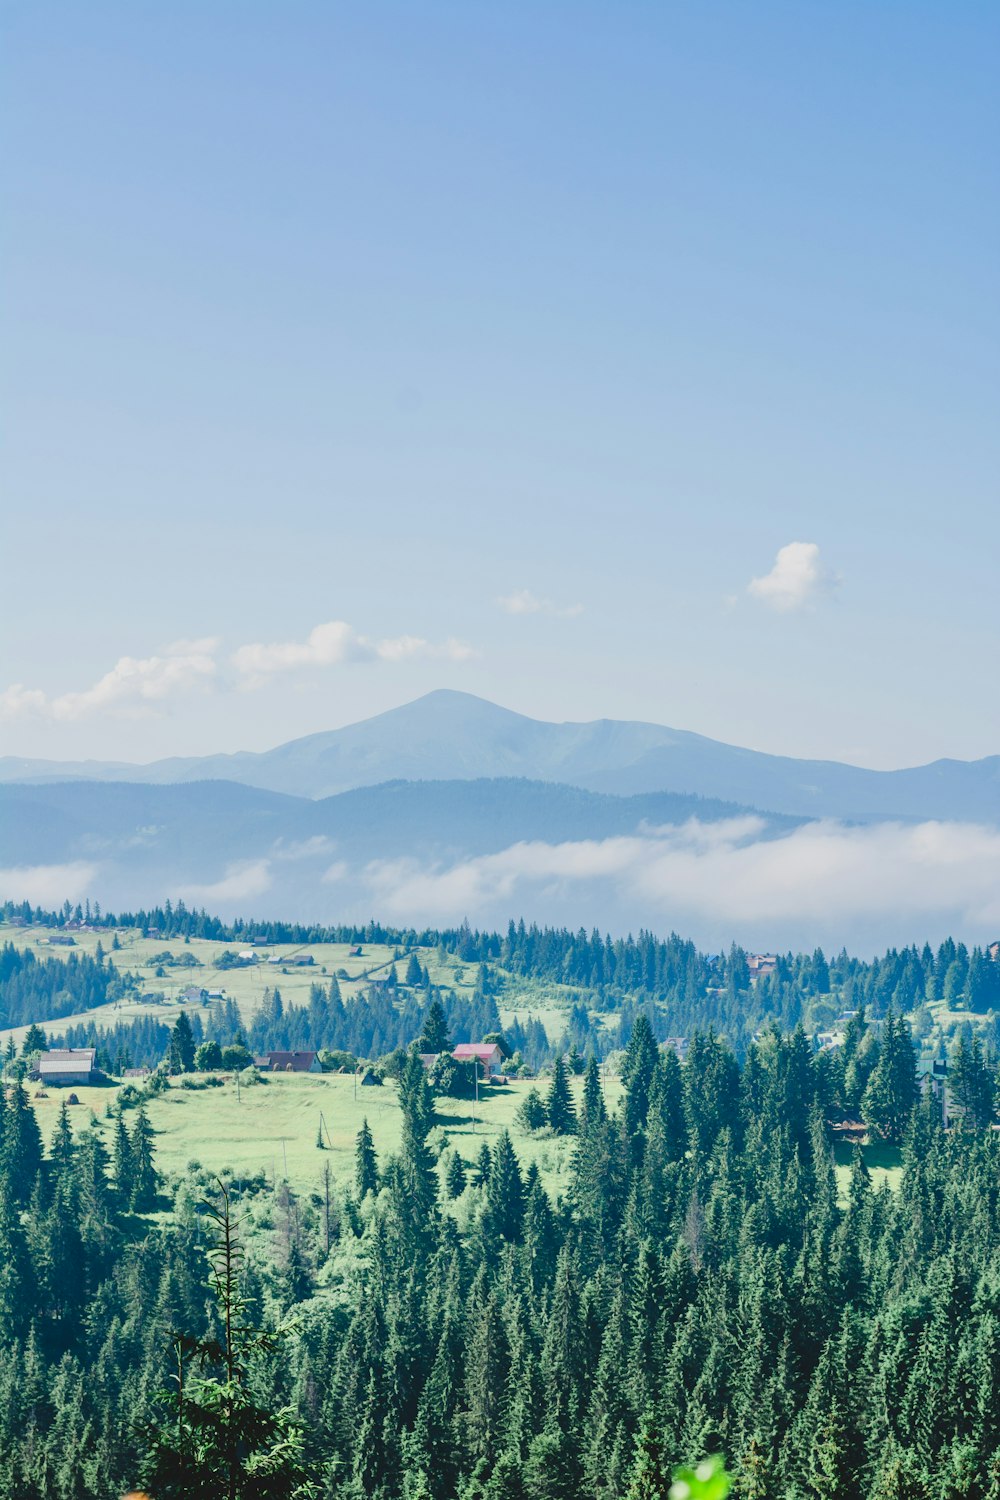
[451, 736]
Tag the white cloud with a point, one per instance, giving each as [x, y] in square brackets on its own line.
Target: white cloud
[524, 602]
[47, 885]
[797, 577]
[333, 644]
[824, 882]
[311, 848]
[242, 881]
[136, 685]
[132, 685]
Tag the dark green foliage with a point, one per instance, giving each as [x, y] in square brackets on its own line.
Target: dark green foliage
[484, 1166]
[434, 1036]
[21, 1145]
[559, 1109]
[531, 1113]
[454, 1177]
[505, 1192]
[593, 1109]
[36, 989]
[972, 1084]
[35, 1040]
[182, 1046]
[218, 1439]
[891, 1091]
[144, 1177]
[702, 1284]
[365, 1162]
[208, 1056]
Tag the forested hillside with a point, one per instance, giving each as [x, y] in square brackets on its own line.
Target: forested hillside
[601, 984]
[465, 1325]
[701, 1287]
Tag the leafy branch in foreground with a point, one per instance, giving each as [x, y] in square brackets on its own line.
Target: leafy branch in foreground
[216, 1440]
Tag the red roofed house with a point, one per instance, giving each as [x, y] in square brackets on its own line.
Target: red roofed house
[289, 1062]
[486, 1054]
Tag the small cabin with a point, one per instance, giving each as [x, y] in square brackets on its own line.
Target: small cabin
[69, 1065]
[289, 1062]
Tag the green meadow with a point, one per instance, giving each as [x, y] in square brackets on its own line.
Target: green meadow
[273, 1127]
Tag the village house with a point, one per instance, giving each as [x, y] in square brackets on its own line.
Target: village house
[288, 1062]
[69, 1065]
[932, 1076]
[761, 964]
[678, 1044]
[193, 995]
[59, 940]
[487, 1054]
[354, 952]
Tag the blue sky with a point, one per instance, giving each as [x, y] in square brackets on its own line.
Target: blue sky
[384, 314]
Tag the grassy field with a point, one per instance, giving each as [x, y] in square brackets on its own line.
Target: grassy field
[882, 1160]
[273, 1127]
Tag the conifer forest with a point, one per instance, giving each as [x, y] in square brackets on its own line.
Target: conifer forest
[702, 1288]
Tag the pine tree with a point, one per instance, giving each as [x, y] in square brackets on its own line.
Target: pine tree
[593, 1110]
[971, 1084]
[638, 1069]
[891, 1092]
[650, 1478]
[219, 1439]
[182, 1049]
[484, 1166]
[454, 1179]
[434, 1036]
[559, 1103]
[124, 1162]
[61, 1151]
[366, 1176]
[531, 1113]
[145, 1179]
[505, 1192]
[414, 975]
[21, 1158]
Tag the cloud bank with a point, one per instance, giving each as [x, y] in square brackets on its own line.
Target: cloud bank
[864, 888]
[132, 684]
[241, 882]
[140, 685]
[334, 643]
[797, 577]
[47, 885]
[524, 602]
[886, 884]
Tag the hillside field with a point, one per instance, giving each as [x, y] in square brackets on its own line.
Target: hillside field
[272, 1127]
[137, 956]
